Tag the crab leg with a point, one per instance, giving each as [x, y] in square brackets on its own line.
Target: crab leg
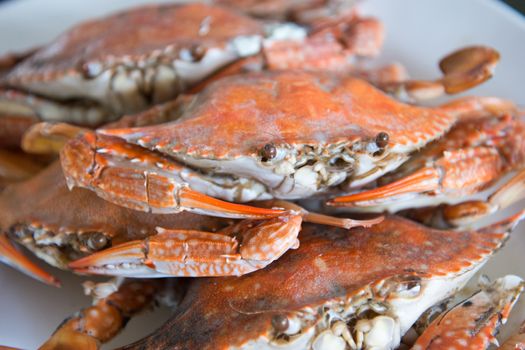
[239, 249]
[464, 171]
[473, 323]
[321, 219]
[462, 214]
[102, 321]
[462, 69]
[136, 178]
[10, 255]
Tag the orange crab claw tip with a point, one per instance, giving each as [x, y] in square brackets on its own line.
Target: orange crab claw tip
[426, 179]
[10, 255]
[206, 204]
[110, 259]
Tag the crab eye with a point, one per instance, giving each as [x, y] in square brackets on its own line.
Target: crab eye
[97, 241]
[382, 139]
[268, 152]
[280, 323]
[198, 52]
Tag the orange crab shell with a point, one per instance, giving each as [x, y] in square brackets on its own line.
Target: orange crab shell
[237, 116]
[134, 35]
[330, 265]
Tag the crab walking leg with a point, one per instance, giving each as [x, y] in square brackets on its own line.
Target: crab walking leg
[462, 70]
[461, 171]
[239, 249]
[321, 219]
[136, 178]
[465, 213]
[473, 323]
[516, 342]
[102, 321]
[10, 255]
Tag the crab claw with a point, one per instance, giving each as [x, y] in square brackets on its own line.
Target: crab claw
[10, 255]
[474, 321]
[462, 171]
[136, 178]
[239, 249]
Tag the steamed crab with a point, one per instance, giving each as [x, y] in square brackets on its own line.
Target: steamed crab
[334, 292]
[127, 62]
[288, 135]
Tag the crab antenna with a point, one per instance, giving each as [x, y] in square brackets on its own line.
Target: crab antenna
[10, 255]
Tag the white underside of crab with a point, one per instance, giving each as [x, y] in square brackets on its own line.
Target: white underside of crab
[383, 331]
[123, 85]
[281, 179]
[51, 111]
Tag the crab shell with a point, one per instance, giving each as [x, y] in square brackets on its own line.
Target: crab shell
[133, 59]
[338, 287]
[60, 225]
[298, 133]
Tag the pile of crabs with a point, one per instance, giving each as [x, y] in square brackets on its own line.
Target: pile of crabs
[313, 202]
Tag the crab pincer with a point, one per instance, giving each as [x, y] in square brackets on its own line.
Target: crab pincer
[139, 179]
[236, 250]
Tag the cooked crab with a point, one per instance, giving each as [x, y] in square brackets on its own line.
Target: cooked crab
[59, 226]
[289, 135]
[124, 63]
[472, 157]
[474, 322]
[361, 290]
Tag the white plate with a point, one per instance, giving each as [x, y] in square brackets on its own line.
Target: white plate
[418, 34]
